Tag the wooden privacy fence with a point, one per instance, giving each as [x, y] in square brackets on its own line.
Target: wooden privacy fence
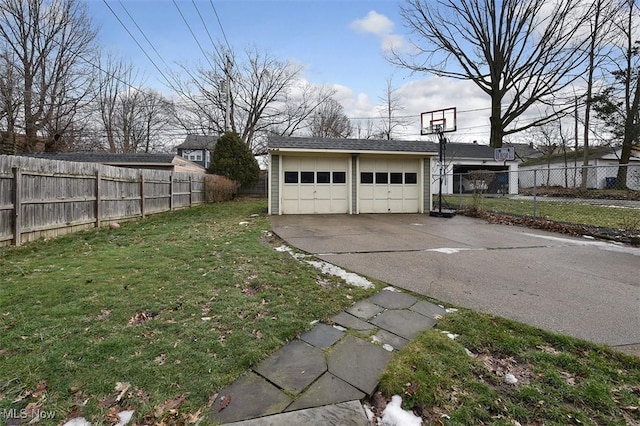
[45, 198]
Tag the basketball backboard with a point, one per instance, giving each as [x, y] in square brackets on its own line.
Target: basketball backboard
[438, 121]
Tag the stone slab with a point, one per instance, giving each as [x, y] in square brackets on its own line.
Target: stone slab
[349, 321]
[429, 309]
[358, 362]
[393, 299]
[404, 323]
[344, 414]
[251, 397]
[328, 389]
[294, 367]
[391, 339]
[322, 336]
[365, 309]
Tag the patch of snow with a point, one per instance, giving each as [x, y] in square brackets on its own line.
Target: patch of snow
[394, 415]
[451, 310]
[339, 327]
[206, 318]
[254, 215]
[369, 413]
[619, 248]
[78, 421]
[336, 271]
[314, 322]
[589, 237]
[390, 288]
[451, 250]
[510, 379]
[387, 347]
[243, 223]
[471, 354]
[330, 269]
[417, 224]
[450, 335]
[125, 417]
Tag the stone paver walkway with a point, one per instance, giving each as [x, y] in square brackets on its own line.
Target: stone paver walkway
[320, 378]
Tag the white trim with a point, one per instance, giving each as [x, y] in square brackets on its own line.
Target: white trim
[350, 151]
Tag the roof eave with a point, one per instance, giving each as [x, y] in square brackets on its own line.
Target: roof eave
[348, 151]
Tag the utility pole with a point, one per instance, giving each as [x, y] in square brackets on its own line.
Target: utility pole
[227, 118]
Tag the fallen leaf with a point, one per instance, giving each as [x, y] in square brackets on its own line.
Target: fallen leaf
[224, 403]
[122, 387]
[212, 400]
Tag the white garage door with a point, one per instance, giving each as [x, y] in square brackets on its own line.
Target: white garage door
[388, 186]
[314, 185]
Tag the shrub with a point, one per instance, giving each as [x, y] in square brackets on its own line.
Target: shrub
[219, 188]
[233, 158]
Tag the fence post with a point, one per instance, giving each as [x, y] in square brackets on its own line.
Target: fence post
[171, 192]
[17, 206]
[190, 190]
[535, 191]
[142, 213]
[98, 209]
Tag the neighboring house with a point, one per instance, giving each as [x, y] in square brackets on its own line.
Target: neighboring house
[462, 158]
[315, 175]
[169, 162]
[565, 170]
[198, 149]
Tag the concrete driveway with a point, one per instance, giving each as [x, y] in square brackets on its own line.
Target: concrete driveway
[576, 286]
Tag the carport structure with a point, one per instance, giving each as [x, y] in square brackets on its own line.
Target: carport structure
[352, 176]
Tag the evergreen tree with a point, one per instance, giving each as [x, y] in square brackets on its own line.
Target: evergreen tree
[233, 159]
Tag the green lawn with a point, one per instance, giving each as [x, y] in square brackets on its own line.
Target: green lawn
[177, 306]
[159, 315]
[568, 212]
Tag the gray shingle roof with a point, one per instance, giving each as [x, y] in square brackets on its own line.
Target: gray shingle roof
[459, 150]
[199, 142]
[105, 157]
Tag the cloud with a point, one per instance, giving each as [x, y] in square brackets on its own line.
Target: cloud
[382, 27]
[373, 23]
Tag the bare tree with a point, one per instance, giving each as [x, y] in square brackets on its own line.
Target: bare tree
[330, 121]
[520, 53]
[50, 41]
[257, 92]
[10, 104]
[390, 110]
[619, 104]
[299, 106]
[599, 37]
[131, 119]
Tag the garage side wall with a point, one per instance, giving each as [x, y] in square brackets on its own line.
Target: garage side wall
[274, 183]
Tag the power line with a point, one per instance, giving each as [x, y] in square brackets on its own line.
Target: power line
[137, 43]
[143, 33]
[193, 34]
[204, 24]
[220, 24]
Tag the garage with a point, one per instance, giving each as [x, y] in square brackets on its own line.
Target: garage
[315, 185]
[309, 175]
[388, 185]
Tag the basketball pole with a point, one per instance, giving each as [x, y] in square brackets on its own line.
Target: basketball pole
[441, 141]
[441, 151]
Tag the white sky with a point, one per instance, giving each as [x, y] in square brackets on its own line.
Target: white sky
[340, 42]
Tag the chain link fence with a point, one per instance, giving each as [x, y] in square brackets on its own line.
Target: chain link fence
[606, 197]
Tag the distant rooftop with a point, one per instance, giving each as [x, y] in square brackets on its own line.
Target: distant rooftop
[199, 142]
